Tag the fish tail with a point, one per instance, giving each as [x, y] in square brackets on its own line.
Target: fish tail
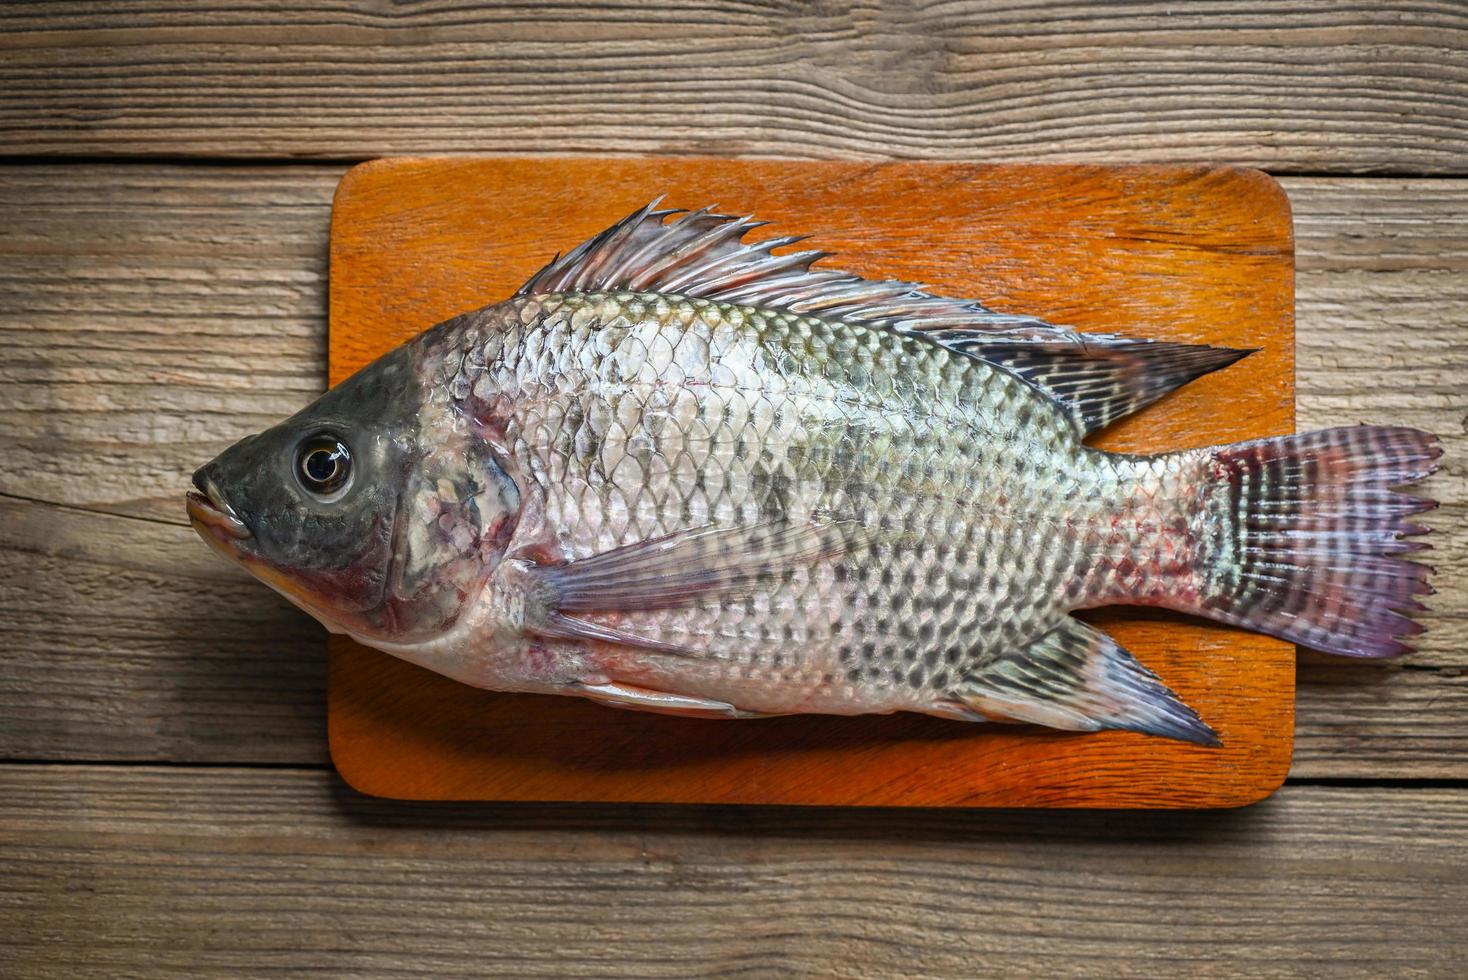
[1302, 538]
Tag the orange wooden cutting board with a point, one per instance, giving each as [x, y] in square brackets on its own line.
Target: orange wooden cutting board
[1178, 253]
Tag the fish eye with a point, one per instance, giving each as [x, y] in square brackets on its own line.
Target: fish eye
[323, 465]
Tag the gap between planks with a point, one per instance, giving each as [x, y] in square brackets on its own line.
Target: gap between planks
[192, 873]
[1334, 782]
[343, 163]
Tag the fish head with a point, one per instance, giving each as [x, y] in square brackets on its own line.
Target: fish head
[371, 509]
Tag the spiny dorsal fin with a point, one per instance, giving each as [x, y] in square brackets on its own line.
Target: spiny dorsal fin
[704, 254]
[1097, 378]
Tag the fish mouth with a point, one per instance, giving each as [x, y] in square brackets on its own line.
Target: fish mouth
[208, 509]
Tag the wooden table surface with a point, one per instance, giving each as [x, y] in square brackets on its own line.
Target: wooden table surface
[166, 804]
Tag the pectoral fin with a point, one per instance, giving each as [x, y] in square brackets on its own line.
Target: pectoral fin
[670, 572]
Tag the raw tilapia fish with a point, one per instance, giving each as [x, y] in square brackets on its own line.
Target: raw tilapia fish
[683, 473]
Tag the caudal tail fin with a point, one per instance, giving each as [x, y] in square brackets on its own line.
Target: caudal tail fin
[1305, 535]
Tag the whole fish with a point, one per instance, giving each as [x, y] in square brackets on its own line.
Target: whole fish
[683, 472]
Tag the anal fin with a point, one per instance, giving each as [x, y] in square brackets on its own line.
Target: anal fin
[1077, 678]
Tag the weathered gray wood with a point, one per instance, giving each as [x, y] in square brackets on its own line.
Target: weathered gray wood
[207, 872]
[1347, 86]
[1380, 721]
[125, 639]
[148, 318]
[1382, 314]
[151, 315]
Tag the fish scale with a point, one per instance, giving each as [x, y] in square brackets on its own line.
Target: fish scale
[937, 450]
[680, 472]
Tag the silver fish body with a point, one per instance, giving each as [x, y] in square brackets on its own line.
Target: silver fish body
[980, 515]
[681, 474]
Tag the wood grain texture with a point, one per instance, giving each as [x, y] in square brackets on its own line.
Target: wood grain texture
[1382, 300]
[123, 640]
[1176, 253]
[150, 315]
[148, 318]
[1346, 86]
[163, 873]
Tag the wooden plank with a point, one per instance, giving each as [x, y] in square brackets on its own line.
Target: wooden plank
[126, 640]
[151, 315]
[1384, 722]
[1350, 86]
[1176, 253]
[148, 318]
[1382, 303]
[168, 872]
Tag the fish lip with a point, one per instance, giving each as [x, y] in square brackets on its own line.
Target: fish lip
[207, 506]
